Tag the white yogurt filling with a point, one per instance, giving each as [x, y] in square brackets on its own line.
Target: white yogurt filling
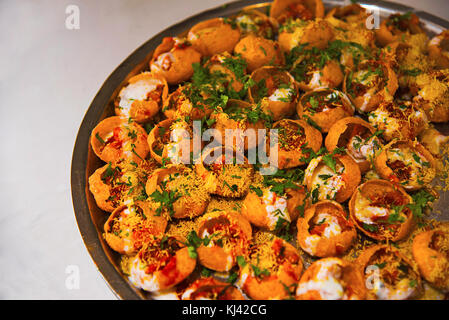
[276, 207]
[401, 291]
[366, 213]
[332, 229]
[360, 149]
[135, 91]
[141, 279]
[316, 82]
[382, 119]
[311, 243]
[164, 61]
[282, 94]
[326, 282]
[246, 23]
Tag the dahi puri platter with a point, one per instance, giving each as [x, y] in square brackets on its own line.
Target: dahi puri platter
[351, 211]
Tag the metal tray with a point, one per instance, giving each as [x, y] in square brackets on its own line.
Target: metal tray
[89, 217]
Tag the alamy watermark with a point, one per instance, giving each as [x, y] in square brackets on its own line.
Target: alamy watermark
[373, 20]
[372, 281]
[72, 281]
[72, 20]
[373, 12]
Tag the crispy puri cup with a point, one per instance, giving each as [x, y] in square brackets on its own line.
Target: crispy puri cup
[216, 65]
[184, 267]
[328, 111]
[439, 51]
[111, 185]
[176, 266]
[387, 192]
[312, 34]
[326, 246]
[312, 285]
[128, 104]
[282, 275]
[433, 140]
[436, 112]
[386, 257]
[187, 205]
[161, 144]
[349, 23]
[430, 251]
[213, 36]
[173, 60]
[258, 52]
[398, 172]
[157, 137]
[302, 9]
[102, 191]
[292, 146]
[296, 198]
[330, 76]
[433, 95]
[343, 17]
[254, 21]
[395, 27]
[399, 55]
[273, 78]
[130, 226]
[350, 176]
[384, 91]
[396, 122]
[263, 211]
[395, 53]
[227, 179]
[341, 133]
[179, 105]
[211, 289]
[114, 139]
[223, 121]
[232, 230]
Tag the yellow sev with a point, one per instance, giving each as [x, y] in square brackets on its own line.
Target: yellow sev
[181, 228]
[432, 89]
[188, 183]
[442, 174]
[360, 244]
[234, 176]
[131, 183]
[187, 186]
[262, 254]
[219, 204]
[125, 224]
[125, 264]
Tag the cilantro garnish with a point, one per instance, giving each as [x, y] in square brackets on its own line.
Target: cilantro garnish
[370, 228]
[258, 272]
[241, 261]
[282, 229]
[166, 198]
[421, 201]
[257, 190]
[99, 138]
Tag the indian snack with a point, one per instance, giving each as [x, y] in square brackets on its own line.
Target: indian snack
[282, 152]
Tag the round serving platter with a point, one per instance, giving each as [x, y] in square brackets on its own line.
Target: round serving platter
[89, 217]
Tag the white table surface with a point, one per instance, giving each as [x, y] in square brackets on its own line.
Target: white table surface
[48, 77]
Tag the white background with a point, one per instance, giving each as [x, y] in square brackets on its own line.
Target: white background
[48, 77]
